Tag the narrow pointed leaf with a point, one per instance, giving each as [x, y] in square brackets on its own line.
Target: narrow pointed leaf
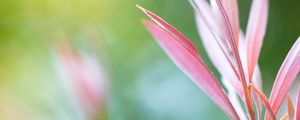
[231, 8]
[182, 52]
[193, 66]
[220, 56]
[217, 55]
[231, 40]
[236, 55]
[171, 30]
[264, 99]
[255, 32]
[285, 77]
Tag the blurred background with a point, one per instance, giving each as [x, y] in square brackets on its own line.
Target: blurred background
[141, 83]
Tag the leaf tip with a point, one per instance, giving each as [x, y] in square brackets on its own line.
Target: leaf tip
[141, 8]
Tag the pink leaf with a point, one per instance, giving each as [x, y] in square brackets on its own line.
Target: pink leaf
[231, 40]
[256, 76]
[231, 8]
[181, 51]
[193, 66]
[212, 20]
[236, 55]
[171, 30]
[217, 55]
[297, 111]
[255, 32]
[285, 77]
[211, 38]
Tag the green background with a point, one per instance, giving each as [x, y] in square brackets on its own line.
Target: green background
[145, 84]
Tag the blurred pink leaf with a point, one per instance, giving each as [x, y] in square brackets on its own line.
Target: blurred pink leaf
[86, 78]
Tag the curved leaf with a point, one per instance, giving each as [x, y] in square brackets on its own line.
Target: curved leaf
[181, 51]
[218, 56]
[234, 46]
[285, 77]
[255, 32]
[194, 67]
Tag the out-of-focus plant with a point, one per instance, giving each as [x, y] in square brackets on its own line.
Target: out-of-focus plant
[235, 56]
[84, 77]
